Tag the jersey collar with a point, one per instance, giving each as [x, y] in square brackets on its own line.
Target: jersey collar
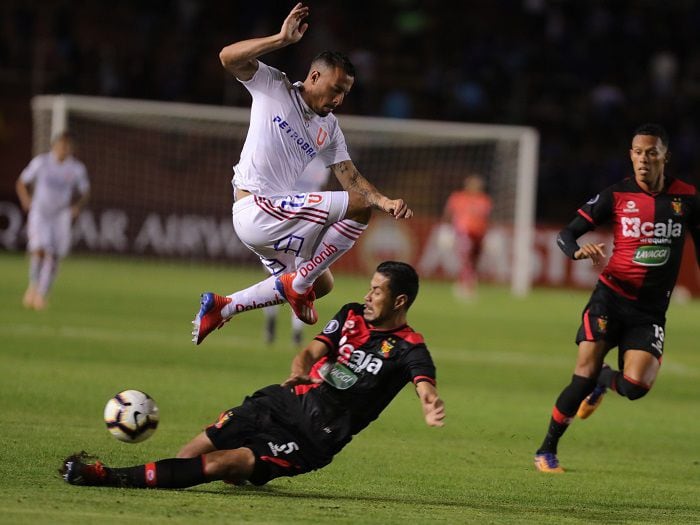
[304, 108]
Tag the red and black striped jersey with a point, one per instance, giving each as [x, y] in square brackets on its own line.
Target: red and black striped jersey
[365, 368]
[648, 237]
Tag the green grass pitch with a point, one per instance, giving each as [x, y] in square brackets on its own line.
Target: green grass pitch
[117, 324]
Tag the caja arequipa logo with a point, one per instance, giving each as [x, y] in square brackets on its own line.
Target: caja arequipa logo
[634, 227]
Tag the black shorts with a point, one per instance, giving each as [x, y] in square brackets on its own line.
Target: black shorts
[619, 321]
[270, 424]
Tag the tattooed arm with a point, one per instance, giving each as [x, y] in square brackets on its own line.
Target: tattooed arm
[352, 180]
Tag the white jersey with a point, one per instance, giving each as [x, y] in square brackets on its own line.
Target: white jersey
[313, 178]
[284, 136]
[54, 183]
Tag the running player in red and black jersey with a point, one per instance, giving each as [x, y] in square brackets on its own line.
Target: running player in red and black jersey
[338, 384]
[650, 214]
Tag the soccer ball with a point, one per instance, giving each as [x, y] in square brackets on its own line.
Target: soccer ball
[131, 416]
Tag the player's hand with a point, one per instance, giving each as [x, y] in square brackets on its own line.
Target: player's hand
[300, 379]
[593, 251]
[434, 412]
[292, 27]
[398, 208]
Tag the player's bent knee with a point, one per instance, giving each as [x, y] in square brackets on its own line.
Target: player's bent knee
[631, 390]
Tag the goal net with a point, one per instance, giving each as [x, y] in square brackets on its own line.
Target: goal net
[160, 175]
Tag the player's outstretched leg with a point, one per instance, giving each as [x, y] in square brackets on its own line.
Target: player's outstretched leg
[302, 303]
[209, 316]
[172, 473]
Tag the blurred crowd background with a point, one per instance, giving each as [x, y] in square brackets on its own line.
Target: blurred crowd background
[584, 73]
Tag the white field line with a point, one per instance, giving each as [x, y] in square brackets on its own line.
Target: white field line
[441, 354]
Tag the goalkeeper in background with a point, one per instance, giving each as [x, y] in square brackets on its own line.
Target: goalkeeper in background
[296, 235]
[338, 384]
[468, 210]
[52, 190]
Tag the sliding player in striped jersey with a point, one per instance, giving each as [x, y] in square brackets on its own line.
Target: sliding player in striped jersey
[296, 235]
[337, 386]
[650, 214]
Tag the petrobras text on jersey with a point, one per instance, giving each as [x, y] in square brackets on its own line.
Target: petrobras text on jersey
[634, 227]
[295, 136]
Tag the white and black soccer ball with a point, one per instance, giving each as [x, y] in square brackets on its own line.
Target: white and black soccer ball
[131, 416]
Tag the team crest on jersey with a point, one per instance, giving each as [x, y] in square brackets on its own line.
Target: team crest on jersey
[677, 206]
[602, 324]
[321, 136]
[387, 346]
[223, 418]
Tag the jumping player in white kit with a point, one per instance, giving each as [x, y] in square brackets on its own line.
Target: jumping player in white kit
[52, 189]
[296, 235]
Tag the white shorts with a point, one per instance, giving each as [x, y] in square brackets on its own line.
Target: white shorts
[49, 234]
[285, 230]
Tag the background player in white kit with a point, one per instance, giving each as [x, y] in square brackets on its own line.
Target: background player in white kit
[313, 179]
[296, 235]
[52, 189]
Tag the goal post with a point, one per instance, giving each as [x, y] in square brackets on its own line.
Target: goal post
[161, 171]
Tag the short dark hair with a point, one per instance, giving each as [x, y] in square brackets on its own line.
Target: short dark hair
[653, 130]
[335, 59]
[403, 279]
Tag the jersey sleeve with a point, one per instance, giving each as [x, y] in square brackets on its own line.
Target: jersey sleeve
[566, 240]
[337, 150]
[265, 80]
[420, 365]
[599, 209]
[31, 172]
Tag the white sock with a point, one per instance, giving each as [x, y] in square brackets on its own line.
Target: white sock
[34, 269]
[259, 295]
[337, 240]
[47, 274]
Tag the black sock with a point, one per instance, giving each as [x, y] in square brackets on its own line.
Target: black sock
[171, 473]
[564, 411]
[607, 377]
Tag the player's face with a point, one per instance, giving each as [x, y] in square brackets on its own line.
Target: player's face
[648, 156]
[327, 89]
[379, 304]
[62, 148]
